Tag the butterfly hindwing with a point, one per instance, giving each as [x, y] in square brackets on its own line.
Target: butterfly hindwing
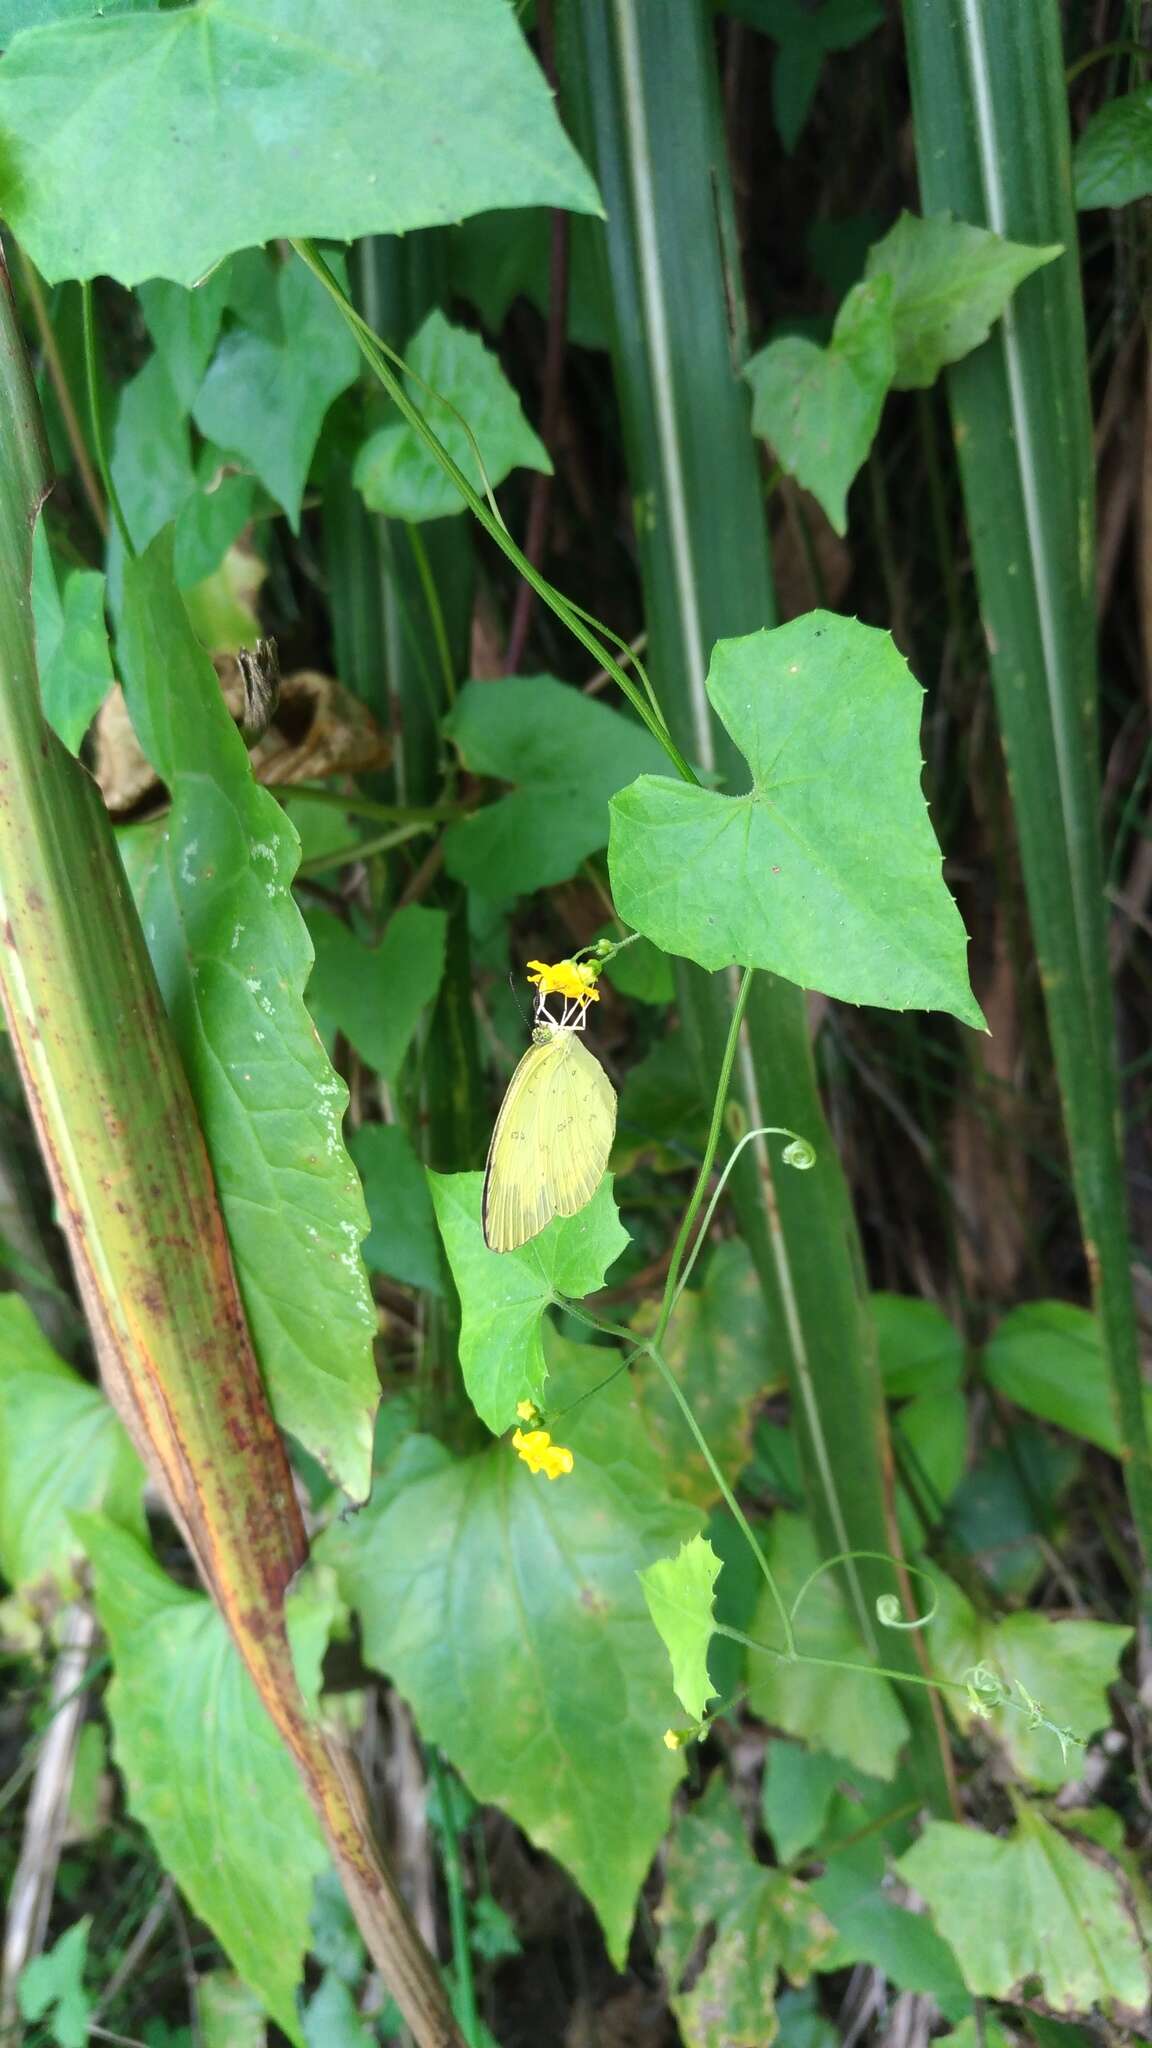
[551, 1142]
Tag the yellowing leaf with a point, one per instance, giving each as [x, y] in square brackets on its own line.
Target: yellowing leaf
[680, 1591]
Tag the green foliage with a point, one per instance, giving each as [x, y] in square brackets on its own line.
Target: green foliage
[230, 2015]
[680, 1591]
[1112, 161]
[716, 1346]
[61, 1450]
[207, 1774]
[565, 754]
[857, 1718]
[797, 1789]
[508, 1610]
[272, 137]
[1065, 1667]
[1047, 1357]
[184, 326]
[919, 1350]
[503, 1295]
[264, 398]
[402, 1241]
[950, 284]
[213, 881]
[51, 1988]
[819, 408]
[835, 892]
[764, 1922]
[470, 405]
[873, 1929]
[376, 995]
[1026, 1909]
[806, 35]
[71, 644]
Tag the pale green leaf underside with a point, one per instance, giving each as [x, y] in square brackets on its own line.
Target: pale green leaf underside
[455, 380]
[207, 1773]
[508, 1610]
[821, 873]
[680, 1592]
[235, 122]
[62, 1450]
[1029, 1905]
[213, 880]
[503, 1295]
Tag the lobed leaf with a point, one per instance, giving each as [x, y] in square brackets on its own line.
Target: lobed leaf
[950, 283]
[508, 1610]
[680, 1592]
[284, 118]
[817, 874]
[213, 880]
[376, 995]
[503, 1295]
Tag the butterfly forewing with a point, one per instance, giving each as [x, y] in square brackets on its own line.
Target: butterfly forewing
[551, 1142]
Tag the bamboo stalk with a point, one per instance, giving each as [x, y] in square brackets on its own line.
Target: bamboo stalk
[990, 104]
[133, 1183]
[642, 90]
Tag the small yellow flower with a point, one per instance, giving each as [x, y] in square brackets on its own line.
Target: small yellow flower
[540, 1454]
[673, 1738]
[574, 980]
[529, 1412]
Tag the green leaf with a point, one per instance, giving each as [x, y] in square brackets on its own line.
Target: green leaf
[151, 453]
[496, 257]
[232, 955]
[61, 1449]
[214, 516]
[930, 1436]
[950, 284]
[265, 400]
[71, 644]
[796, 1792]
[1047, 1357]
[764, 1921]
[184, 325]
[376, 995]
[370, 117]
[1004, 1513]
[207, 1774]
[819, 874]
[820, 408]
[508, 1611]
[1112, 160]
[640, 972]
[503, 1295]
[52, 1987]
[855, 1716]
[332, 2018]
[871, 1928]
[919, 1350]
[716, 1347]
[453, 378]
[795, 77]
[1065, 1666]
[566, 753]
[402, 1241]
[1028, 1906]
[680, 1591]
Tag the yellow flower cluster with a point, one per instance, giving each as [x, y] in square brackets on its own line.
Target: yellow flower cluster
[540, 1454]
[572, 979]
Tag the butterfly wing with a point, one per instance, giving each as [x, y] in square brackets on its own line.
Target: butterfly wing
[551, 1141]
[583, 1139]
[517, 1201]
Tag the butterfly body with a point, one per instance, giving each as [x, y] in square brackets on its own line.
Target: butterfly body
[552, 1138]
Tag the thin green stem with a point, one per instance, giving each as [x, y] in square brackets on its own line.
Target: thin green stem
[731, 1502]
[1119, 49]
[466, 2011]
[434, 608]
[697, 1196]
[366, 807]
[92, 373]
[362, 850]
[749, 1138]
[377, 355]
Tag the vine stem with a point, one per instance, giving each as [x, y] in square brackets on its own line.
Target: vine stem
[381, 359]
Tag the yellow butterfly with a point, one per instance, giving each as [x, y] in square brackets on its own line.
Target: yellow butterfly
[556, 1123]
